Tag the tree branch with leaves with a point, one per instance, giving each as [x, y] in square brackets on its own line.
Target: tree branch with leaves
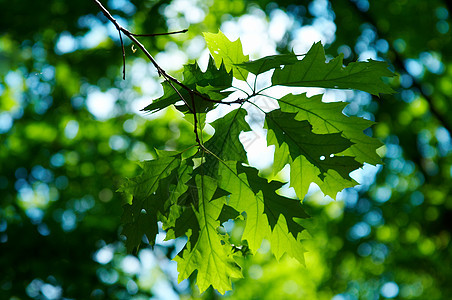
[194, 191]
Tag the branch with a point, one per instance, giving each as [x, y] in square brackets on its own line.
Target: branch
[195, 119]
[170, 79]
[160, 70]
[399, 63]
[123, 57]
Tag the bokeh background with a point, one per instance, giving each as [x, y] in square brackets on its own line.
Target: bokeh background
[71, 130]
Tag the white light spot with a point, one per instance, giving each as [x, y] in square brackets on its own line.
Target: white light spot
[389, 290]
[414, 67]
[66, 43]
[172, 58]
[104, 255]
[71, 129]
[101, 105]
[130, 264]
[51, 292]
[279, 23]
[6, 122]
[322, 157]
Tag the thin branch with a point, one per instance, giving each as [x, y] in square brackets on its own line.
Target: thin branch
[268, 96]
[195, 119]
[255, 84]
[160, 70]
[257, 106]
[263, 89]
[170, 79]
[123, 56]
[239, 89]
[164, 33]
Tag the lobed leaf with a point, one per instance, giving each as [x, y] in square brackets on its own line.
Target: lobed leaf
[313, 71]
[328, 118]
[268, 214]
[150, 191]
[267, 63]
[318, 149]
[208, 254]
[227, 52]
[212, 82]
[225, 142]
[313, 157]
[194, 194]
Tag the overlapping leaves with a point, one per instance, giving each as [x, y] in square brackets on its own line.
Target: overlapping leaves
[199, 87]
[312, 71]
[192, 194]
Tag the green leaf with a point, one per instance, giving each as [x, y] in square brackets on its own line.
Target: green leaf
[328, 118]
[312, 71]
[312, 157]
[173, 206]
[228, 213]
[243, 199]
[210, 82]
[183, 176]
[267, 63]
[274, 204]
[303, 173]
[190, 197]
[169, 97]
[185, 224]
[213, 92]
[282, 242]
[319, 149]
[194, 194]
[264, 208]
[225, 142]
[136, 225]
[150, 191]
[216, 76]
[208, 253]
[227, 52]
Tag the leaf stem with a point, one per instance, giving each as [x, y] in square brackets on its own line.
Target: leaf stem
[265, 88]
[123, 56]
[239, 89]
[195, 119]
[248, 101]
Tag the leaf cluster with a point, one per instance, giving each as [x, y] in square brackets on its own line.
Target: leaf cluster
[194, 191]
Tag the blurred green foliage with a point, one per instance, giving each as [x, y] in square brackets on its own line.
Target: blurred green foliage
[70, 131]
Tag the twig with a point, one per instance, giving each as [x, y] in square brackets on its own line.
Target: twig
[160, 71]
[123, 56]
[170, 79]
[195, 119]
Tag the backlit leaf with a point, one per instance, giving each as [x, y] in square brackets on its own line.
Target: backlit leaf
[150, 191]
[212, 81]
[264, 208]
[328, 118]
[208, 254]
[313, 71]
[319, 149]
[227, 52]
[225, 142]
[267, 63]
